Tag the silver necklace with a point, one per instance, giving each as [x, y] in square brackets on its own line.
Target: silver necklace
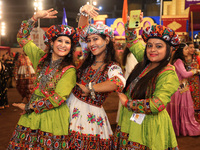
[45, 78]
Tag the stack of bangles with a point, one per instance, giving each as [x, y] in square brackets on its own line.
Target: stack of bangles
[91, 89]
[82, 13]
[28, 109]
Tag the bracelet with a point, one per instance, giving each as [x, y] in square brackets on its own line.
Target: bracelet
[28, 109]
[82, 13]
[134, 105]
[128, 105]
[91, 89]
[34, 19]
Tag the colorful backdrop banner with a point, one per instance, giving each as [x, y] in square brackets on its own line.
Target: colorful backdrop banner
[189, 2]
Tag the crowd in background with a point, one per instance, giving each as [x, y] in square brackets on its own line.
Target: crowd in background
[16, 72]
[161, 87]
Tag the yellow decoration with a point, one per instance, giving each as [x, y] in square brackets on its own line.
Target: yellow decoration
[147, 21]
[119, 26]
[100, 17]
[174, 25]
[175, 8]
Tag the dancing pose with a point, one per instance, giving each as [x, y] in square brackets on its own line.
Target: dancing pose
[144, 122]
[99, 75]
[44, 123]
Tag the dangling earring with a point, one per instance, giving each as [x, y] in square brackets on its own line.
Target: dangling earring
[51, 49]
[106, 50]
[91, 56]
[168, 59]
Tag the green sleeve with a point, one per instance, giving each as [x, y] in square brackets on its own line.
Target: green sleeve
[134, 45]
[33, 52]
[137, 49]
[167, 84]
[23, 38]
[59, 95]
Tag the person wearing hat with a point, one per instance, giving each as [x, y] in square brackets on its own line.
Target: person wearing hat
[144, 122]
[98, 75]
[181, 108]
[44, 122]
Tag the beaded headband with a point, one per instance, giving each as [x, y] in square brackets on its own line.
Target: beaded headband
[158, 31]
[95, 29]
[60, 30]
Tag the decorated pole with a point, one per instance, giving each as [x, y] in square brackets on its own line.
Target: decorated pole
[161, 3]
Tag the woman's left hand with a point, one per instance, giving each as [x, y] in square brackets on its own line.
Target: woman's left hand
[84, 89]
[122, 98]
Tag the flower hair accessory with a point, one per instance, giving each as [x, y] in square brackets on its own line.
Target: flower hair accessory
[164, 33]
[95, 29]
[60, 30]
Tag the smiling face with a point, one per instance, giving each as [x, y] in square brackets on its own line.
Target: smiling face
[156, 50]
[61, 47]
[97, 44]
[191, 49]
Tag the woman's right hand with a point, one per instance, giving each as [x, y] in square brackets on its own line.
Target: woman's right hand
[123, 98]
[49, 14]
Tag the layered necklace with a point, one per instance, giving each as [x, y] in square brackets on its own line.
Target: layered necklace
[48, 72]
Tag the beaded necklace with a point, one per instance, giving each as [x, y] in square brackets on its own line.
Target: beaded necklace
[83, 78]
[46, 74]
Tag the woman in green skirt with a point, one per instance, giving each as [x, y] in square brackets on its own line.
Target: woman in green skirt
[45, 120]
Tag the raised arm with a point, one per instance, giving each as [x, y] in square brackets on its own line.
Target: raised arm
[23, 36]
[133, 43]
[87, 11]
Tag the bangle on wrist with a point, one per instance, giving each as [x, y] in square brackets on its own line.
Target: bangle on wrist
[28, 109]
[128, 105]
[82, 13]
[134, 105]
[91, 89]
[34, 18]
